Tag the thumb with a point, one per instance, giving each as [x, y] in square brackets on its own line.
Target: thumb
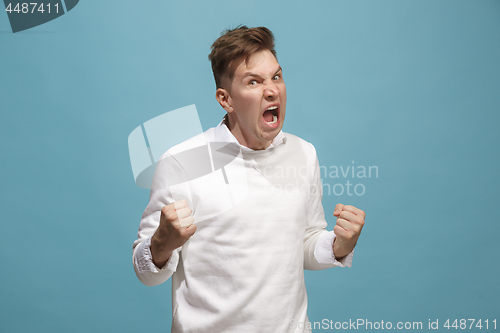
[190, 230]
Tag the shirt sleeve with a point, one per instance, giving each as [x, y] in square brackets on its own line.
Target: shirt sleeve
[146, 270]
[323, 252]
[318, 242]
[160, 196]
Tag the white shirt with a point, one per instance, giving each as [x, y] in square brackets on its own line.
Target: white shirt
[259, 226]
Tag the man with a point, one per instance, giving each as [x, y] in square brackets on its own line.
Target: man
[241, 269]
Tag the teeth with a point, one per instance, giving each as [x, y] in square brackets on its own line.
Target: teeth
[275, 119]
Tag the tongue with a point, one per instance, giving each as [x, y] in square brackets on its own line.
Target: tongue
[268, 116]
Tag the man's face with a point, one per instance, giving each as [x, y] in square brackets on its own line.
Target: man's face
[256, 101]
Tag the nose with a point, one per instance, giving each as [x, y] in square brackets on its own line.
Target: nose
[271, 91]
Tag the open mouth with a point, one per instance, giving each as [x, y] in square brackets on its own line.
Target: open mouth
[271, 115]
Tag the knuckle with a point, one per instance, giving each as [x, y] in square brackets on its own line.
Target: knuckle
[344, 214]
[180, 204]
[171, 215]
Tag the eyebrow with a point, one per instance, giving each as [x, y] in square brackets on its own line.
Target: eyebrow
[255, 74]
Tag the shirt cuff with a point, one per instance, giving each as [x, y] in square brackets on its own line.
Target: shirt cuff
[323, 252]
[145, 259]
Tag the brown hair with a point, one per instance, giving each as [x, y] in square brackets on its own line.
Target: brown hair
[237, 43]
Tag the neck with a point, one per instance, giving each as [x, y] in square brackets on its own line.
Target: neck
[233, 128]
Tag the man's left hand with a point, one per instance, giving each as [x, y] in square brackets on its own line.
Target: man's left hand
[350, 221]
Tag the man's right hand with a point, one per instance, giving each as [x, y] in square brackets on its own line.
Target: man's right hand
[176, 227]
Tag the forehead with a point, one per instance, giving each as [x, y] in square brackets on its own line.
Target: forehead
[260, 63]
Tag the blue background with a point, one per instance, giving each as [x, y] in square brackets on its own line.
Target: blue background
[412, 87]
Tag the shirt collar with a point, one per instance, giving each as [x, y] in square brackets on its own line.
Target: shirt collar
[223, 133]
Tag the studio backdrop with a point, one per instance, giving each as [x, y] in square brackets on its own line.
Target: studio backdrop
[401, 99]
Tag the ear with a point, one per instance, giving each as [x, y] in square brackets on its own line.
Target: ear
[224, 99]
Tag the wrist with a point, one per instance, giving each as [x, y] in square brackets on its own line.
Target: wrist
[341, 249]
[159, 251]
[159, 258]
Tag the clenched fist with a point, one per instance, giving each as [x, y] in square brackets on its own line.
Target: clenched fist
[176, 227]
[350, 221]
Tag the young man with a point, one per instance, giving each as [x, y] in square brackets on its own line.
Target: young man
[241, 269]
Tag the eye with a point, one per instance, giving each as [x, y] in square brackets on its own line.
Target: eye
[277, 77]
[252, 82]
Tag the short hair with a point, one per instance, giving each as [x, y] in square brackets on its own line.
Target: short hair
[235, 44]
